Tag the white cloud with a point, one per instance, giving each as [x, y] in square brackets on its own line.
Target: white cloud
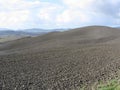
[18, 4]
[13, 19]
[15, 13]
[89, 12]
[69, 16]
[76, 12]
[24, 13]
[79, 4]
[36, 13]
[48, 14]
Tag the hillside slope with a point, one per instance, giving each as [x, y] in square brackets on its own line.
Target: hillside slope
[60, 60]
[80, 36]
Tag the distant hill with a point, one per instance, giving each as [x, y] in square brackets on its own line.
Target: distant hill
[26, 32]
[36, 30]
[20, 33]
[8, 34]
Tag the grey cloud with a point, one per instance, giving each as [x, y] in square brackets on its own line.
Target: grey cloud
[108, 7]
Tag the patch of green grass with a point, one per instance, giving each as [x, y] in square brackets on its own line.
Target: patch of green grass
[83, 88]
[110, 85]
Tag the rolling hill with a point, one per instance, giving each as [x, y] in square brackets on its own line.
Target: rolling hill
[60, 60]
[9, 35]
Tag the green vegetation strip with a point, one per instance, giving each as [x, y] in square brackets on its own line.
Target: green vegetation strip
[111, 85]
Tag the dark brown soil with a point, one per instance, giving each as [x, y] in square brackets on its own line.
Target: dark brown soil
[60, 60]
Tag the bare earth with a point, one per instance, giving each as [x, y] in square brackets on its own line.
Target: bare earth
[60, 60]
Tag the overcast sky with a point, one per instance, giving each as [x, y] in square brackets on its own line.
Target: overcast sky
[20, 14]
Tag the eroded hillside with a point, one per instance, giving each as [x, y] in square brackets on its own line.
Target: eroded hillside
[60, 60]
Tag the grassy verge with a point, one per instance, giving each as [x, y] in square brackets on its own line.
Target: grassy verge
[110, 85]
